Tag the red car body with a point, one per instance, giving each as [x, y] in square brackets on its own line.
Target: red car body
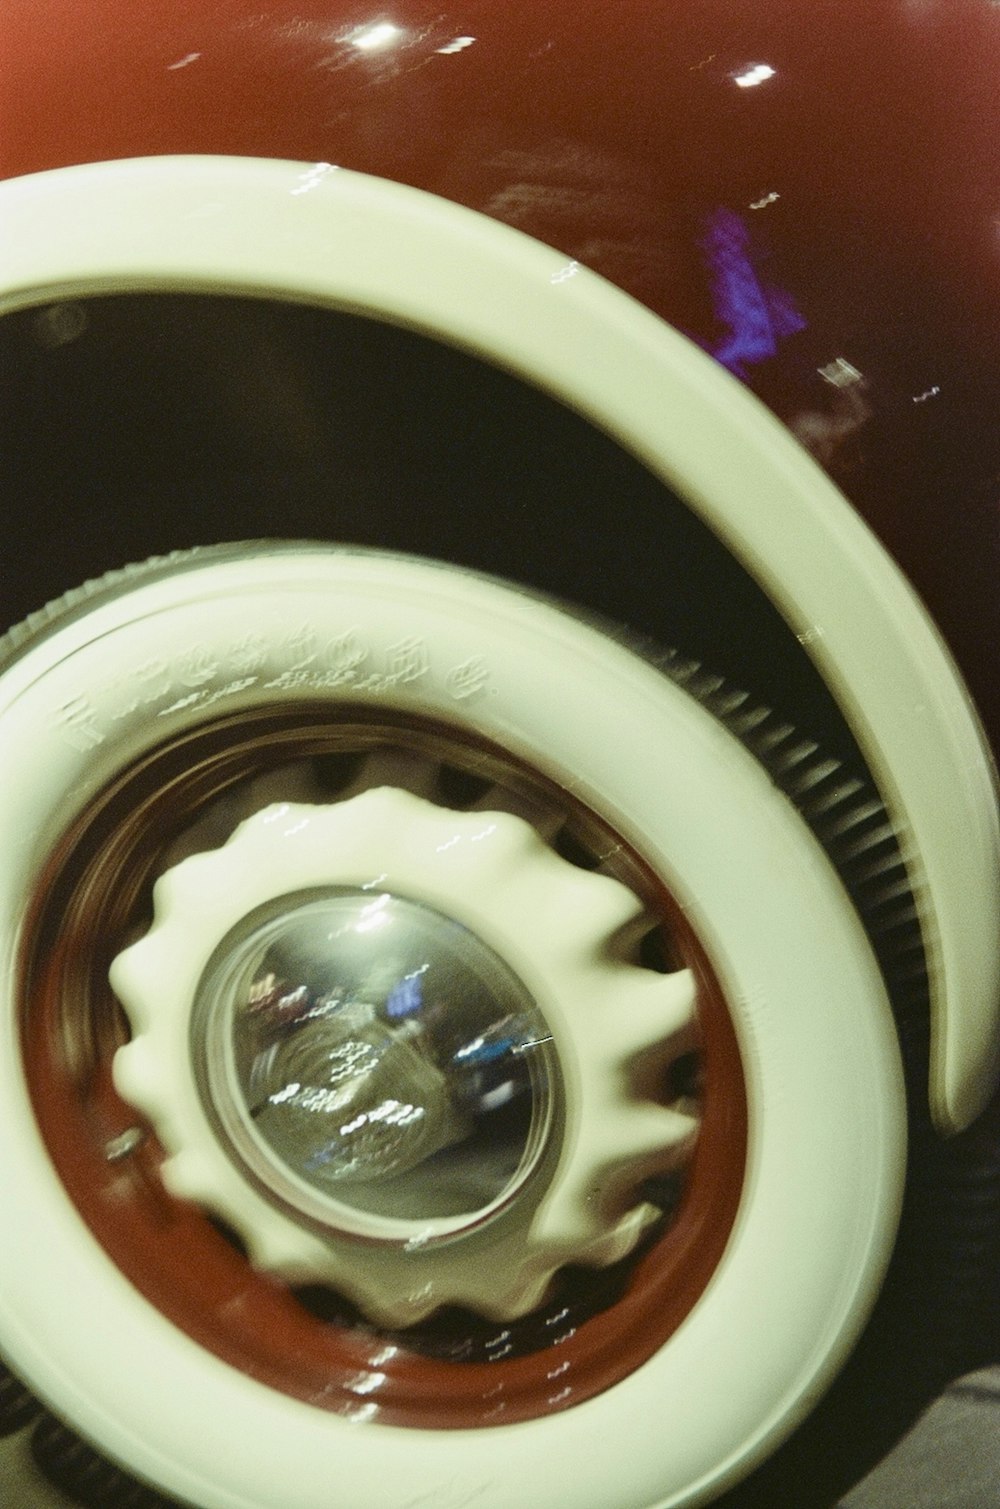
[805, 189]
[793, 185]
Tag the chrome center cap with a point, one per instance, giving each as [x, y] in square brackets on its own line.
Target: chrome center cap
[374, 1064]
[389, 1043]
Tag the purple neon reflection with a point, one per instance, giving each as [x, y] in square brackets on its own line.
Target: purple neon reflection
[756, 314]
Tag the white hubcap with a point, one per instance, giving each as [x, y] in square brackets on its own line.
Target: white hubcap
[354, 1095]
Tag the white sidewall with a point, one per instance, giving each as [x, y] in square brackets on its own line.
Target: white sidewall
[820, 1057]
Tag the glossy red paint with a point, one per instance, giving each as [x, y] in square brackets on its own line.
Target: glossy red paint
[806, 187]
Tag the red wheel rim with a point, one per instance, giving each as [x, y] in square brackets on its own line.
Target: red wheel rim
[596, 1330]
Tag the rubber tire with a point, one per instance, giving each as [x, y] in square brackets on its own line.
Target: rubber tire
[217, 632]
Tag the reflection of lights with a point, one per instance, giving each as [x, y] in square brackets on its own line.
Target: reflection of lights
[313, 176]
[373, 915]
[364, 1413]
[929, 393]
[393, 1113]
[373, 38]
[288, 1093]
[502, 1095]
[565, 273]
[365, 1383]
[458, 44]
[761, 204]
[759, 73]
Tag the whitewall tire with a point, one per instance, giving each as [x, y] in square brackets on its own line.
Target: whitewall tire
[111, 678]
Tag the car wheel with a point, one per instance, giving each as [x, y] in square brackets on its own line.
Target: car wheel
[717, 1114]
